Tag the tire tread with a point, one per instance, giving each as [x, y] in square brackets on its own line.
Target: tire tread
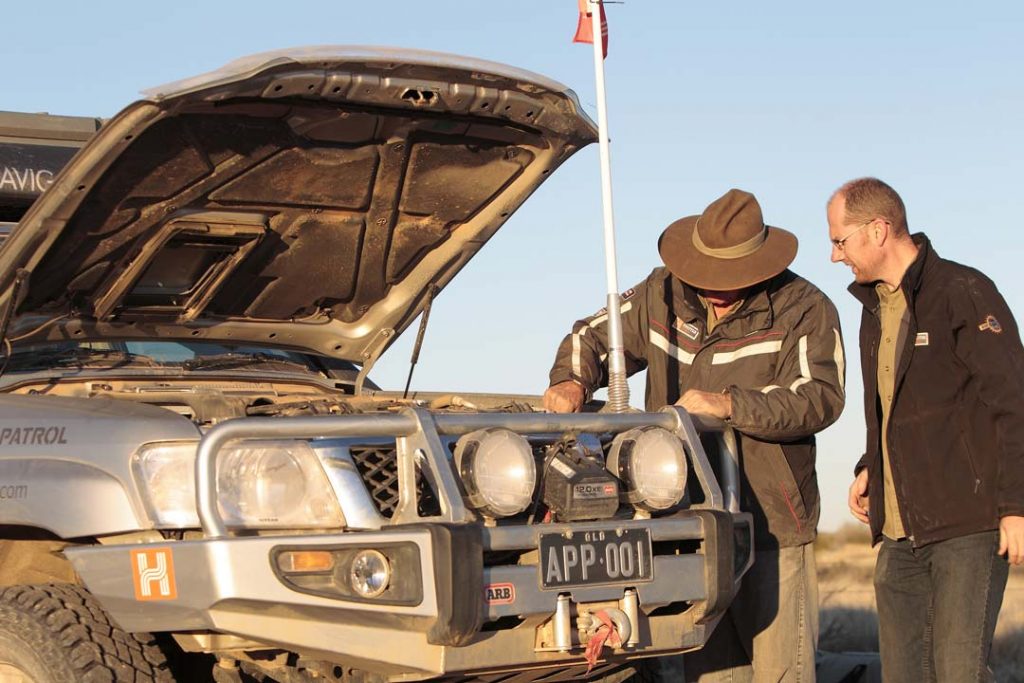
[97, 650]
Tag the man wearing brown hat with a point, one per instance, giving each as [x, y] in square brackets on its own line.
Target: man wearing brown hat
[724, 329]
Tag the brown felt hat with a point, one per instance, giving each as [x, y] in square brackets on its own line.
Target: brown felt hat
[726, 247]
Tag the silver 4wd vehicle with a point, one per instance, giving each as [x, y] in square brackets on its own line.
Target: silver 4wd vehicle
[197, 479]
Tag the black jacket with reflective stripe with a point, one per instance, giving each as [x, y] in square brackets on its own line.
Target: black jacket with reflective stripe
[779, 356]
[956, 427]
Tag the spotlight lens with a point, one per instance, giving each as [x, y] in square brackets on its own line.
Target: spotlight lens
[660, 468]
[498, 469]
[653, 467]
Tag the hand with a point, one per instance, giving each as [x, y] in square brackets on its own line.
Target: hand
[706, 403]
[858, 501]
[1011, 538]
[564, 397]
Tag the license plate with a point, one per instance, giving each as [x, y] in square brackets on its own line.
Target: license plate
[588, 558]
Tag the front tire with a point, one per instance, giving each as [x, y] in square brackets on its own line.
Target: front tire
[59, 633]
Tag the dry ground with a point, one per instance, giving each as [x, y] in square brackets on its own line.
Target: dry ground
[848, 622]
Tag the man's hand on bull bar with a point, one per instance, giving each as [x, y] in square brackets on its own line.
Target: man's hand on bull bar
[706, 403]
[564, 397]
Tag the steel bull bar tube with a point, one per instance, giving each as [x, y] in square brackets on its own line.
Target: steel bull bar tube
[412, 420]
[729, 461]
[541, 423]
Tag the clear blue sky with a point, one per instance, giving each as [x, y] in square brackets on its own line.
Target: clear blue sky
[787, 100]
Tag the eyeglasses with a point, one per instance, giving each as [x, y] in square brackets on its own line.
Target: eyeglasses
[840, 244]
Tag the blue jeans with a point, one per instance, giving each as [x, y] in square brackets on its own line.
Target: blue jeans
[770, 631]
[937, 608]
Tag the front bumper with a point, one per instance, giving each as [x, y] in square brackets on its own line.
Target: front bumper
[231, 586]
[477, 602]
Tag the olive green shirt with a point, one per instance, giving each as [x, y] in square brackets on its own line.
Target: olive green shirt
[713, 317]
[892, 309]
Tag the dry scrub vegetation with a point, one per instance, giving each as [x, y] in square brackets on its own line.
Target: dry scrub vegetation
[848, 622]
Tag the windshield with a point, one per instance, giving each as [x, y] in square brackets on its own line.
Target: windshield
[189, 356]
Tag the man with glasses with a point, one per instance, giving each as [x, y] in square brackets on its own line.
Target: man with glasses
[726, 329]
[941, 482]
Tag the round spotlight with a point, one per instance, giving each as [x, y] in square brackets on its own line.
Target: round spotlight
[370, 573]
[498, 471]
[651, 462]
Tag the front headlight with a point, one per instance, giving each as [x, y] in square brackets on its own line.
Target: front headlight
[165, 473]
[651, 461]
[260, 484]
[275, 484]
[497, 470]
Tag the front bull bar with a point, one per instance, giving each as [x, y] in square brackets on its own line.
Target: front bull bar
[422, 429]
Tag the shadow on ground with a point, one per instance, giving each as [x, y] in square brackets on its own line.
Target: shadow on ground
[848, 648]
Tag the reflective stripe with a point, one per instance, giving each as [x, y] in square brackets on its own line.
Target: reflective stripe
[749, 350]
[805, 368]
[840, 361]
[770, 387]
[674, 351]
[577, 337]
[576, 355]
[624, 308]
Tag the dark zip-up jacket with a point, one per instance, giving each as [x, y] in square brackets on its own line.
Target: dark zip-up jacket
[956, 427]
[780, 357]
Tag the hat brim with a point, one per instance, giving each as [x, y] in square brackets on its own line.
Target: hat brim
[708, 272]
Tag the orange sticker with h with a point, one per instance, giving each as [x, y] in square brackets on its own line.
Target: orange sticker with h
[153, 574]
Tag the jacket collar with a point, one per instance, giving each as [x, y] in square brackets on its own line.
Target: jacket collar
[754, 314]
[912, 279]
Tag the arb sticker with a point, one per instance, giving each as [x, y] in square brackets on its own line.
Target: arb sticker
[500, 593]
[153, 574]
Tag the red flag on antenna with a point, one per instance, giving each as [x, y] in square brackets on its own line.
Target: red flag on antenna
[585, 29]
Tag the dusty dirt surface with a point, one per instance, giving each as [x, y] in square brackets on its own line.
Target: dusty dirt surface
[848, 644]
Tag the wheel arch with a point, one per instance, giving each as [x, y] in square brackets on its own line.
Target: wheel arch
[33, 556]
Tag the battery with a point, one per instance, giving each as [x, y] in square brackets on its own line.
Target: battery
[578, 488]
